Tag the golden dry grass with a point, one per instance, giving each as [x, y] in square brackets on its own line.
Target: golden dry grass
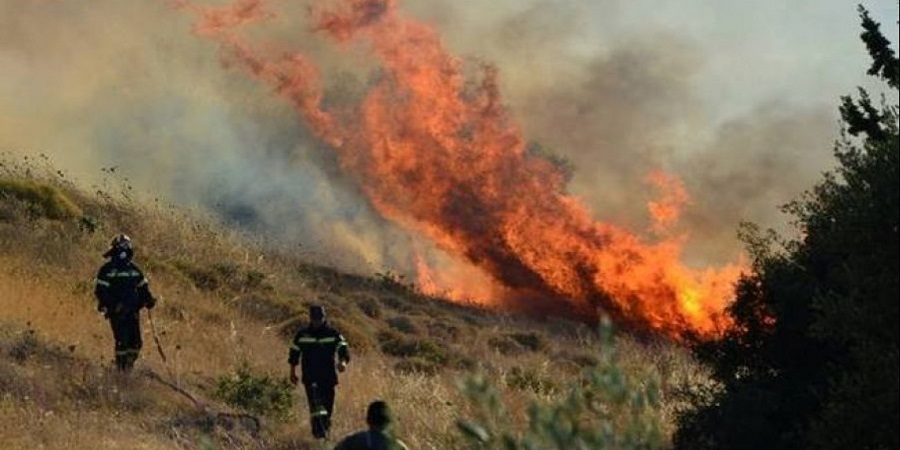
[227, 300]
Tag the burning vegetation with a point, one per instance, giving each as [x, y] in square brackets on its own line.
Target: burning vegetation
[436, 151]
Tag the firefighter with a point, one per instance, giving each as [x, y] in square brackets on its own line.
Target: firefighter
[315, 348]
[122, 290]
[378, 436]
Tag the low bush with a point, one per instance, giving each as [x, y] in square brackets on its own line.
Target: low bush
[609, 409]
[42, 200]
[403, 324]
[257, 394]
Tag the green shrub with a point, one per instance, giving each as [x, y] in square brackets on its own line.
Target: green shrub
[395, 345]
[369, 307]
[253, 279]
[257, 394]
[88, 224]
[403, 324]
[42, 200]
[25, 346]
[530, 341]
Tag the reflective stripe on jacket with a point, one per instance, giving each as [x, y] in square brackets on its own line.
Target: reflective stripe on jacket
[315, 350]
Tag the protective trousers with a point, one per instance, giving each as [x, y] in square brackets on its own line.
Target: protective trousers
[126, 329]
[320, 398]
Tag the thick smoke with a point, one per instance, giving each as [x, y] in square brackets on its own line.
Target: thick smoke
[751, 167]
[111, 83]
[123, 84]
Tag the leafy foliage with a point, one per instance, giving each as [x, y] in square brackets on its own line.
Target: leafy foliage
[255, 394]
[813, 360]
[610, 409]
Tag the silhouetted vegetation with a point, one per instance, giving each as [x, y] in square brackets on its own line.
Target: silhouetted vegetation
[813, 360]
[557, 160]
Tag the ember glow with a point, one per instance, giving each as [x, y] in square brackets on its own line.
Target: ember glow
[438, 153]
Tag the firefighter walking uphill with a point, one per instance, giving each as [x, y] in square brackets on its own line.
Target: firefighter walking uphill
[122, 290]
[315, 348]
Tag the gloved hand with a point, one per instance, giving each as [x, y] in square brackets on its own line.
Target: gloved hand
[342, 366]
[102, 310]
[151, 302]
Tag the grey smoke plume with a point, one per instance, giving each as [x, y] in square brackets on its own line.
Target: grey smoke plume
[619, 88]
[124, 84]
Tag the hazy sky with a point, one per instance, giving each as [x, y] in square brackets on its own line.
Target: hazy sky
[806, 50]
[737, 98]
[747, 51]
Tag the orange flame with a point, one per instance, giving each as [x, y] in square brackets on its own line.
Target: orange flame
[442, 157]
[460, 283]
[667, 209]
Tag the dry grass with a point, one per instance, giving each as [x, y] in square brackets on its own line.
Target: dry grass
[227, 300]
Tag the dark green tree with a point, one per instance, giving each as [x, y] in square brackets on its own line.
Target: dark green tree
[813, 359]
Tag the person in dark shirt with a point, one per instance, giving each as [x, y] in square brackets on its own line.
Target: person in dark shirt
[122, 290]
[315, 347]
[378, 436]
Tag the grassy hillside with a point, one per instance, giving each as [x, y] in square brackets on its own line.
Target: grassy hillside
[228, 305]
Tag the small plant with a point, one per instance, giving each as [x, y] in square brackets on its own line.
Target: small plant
[370, 307]
[529, 380]
[530, 341]
[403, 324]
[226, 271]
[88, 224]
[392, 281]
[254, 279]
[256, 394]
[25, 346]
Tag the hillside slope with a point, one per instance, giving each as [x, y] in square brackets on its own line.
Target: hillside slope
[228, 305]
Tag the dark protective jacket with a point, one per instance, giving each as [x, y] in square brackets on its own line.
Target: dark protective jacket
[315, 349]
[121, 288]
[370, 440]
